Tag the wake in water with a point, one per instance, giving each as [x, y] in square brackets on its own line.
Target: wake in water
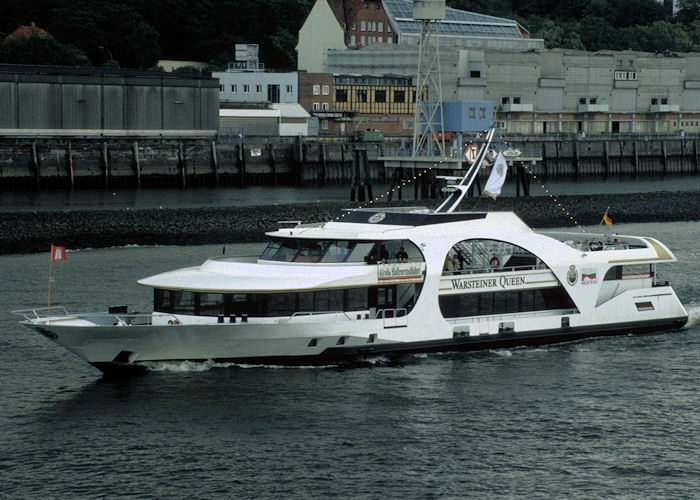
[203, 366]
[693, 315]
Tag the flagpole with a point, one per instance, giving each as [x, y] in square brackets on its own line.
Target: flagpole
[48, 318]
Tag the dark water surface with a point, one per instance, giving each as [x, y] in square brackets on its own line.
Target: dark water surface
[615, 417]
[269, 195]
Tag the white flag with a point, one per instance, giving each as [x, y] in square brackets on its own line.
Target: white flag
[497, 177]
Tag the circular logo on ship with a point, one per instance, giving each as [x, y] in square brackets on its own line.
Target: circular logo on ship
[377, 218]
[572, 275]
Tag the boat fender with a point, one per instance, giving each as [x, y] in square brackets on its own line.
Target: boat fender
[173, 322]
[595, 246]
[494, 262]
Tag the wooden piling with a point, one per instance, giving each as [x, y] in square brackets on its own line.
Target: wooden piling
[636, 158]
[271, 162]
[105, 164]
[215, 163]
[322, 173]
[606, 159]
[181, 165]
[69, 161]
[137, 164]
[576, 160]
[664, 159]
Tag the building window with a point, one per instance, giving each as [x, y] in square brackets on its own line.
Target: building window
[363, 26]
[582, 100]
[625, 75]
[324, 124]
[221, 88]
[516, 99]
[354, 26]
[363, 40]
[654, 101]
[472, 113]
[289, 89]
[246, 88]
[389, 40]
[505, 100]
[388, 28]
[593, 100]
[317, 89]
[325, 90]
[361, 95]
[399, 96]
[324, 106]
[258, 89]
[341, 95]
[664, 100]
[482, 112]
[475, 74]
[380, 26]
[380, 96]
[316, 106]
[353, 40]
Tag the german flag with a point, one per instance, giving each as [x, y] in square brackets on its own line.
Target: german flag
[607, 219]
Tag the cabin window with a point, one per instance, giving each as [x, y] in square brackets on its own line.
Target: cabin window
[337, 251]
[210, 304]
[517, 301]
[486, 256]
[630, 271]
[263, 304]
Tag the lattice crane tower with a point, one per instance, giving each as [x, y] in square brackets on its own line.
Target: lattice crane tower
[428, 122]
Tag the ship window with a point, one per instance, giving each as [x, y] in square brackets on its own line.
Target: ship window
[210, 304]
[280, 304]
[310, 250]
[337, 251]
[626, 272]
[305, 301]
[174, 301]
[271, 250]
[356, 299]
[362, 249]
[483, 304]
[483, 256]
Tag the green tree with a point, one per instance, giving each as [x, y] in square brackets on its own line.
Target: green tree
[41, 50]
[688, 11]
[106, 30]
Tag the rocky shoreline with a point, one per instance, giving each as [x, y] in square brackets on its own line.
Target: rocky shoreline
[29, 232]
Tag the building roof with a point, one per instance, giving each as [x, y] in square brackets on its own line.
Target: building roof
[291, 110]
[456, 22]
[25, 32]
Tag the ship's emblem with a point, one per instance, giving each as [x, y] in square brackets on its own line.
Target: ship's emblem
[377, 218]
[572, 275]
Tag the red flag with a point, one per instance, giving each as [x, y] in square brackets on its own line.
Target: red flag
[58, 253]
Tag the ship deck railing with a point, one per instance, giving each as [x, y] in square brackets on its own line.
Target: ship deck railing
[59, 314]
[487, 270]
[507, 316]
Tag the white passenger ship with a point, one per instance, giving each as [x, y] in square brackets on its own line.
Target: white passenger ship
[385, 281]
[467, 281]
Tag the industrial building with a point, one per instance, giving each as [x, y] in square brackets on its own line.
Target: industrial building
[66, 101]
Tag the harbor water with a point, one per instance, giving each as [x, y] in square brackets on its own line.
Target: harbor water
[611, 417]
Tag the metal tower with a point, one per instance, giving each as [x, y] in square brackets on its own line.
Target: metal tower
[428, 117]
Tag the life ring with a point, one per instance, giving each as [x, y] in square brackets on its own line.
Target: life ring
[594, 246]
[494, 262]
